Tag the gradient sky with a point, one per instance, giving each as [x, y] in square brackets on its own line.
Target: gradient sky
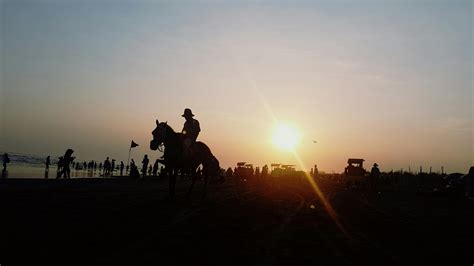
[388, 81]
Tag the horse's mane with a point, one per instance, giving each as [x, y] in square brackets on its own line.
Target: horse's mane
[170, 129]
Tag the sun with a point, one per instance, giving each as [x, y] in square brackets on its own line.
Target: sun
[285, 137]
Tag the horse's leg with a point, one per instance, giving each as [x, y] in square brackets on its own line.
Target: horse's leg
[193, 178]
[206, 178]
[205, 175]
[172, 182]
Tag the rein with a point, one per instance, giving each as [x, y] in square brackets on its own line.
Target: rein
[166, 137]
[161, 146]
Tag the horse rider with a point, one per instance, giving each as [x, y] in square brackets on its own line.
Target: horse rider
[374, 176]
[190, 131]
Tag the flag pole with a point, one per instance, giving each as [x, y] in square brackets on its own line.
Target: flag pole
[129, 151]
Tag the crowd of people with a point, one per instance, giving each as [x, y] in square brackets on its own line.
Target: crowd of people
[67, 163]
[109, 168]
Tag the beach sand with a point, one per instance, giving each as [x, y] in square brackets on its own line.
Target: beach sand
[124, 221]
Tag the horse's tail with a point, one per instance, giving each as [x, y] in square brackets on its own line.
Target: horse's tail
[210, 163]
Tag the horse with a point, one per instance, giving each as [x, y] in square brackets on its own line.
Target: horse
[174, 159]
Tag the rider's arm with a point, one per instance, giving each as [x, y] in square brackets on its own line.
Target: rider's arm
[184, 131]
[198, 127]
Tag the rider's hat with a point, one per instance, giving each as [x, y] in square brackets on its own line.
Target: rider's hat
[375, 164]
[187, 113]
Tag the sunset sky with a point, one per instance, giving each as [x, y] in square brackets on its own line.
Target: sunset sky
[387, 81]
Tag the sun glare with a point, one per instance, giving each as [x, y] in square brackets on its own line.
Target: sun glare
[285, 137]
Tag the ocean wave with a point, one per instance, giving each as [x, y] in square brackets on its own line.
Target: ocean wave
[28, 159]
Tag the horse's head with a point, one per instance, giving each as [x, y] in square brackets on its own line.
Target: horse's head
[159, 135]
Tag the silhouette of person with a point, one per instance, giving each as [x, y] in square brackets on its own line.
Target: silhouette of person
[5, 161]
[190, 131]
[145, 165]
[121, 168]
[155, 168]
[374, 176]
[112, 167]
[265, 171]
[60, 167]
[162, 171]
[107, 167]
[133, 170]
[67, 159]
[46, 171]
[315, 171]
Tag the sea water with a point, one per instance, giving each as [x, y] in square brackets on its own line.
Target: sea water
[33, 166]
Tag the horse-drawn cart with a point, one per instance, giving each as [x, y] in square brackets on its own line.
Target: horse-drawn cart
[354, 173]
[244, 171]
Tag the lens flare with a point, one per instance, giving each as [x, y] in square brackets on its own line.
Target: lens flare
[327, 205]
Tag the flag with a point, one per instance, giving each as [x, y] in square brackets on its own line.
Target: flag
[133, 145]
